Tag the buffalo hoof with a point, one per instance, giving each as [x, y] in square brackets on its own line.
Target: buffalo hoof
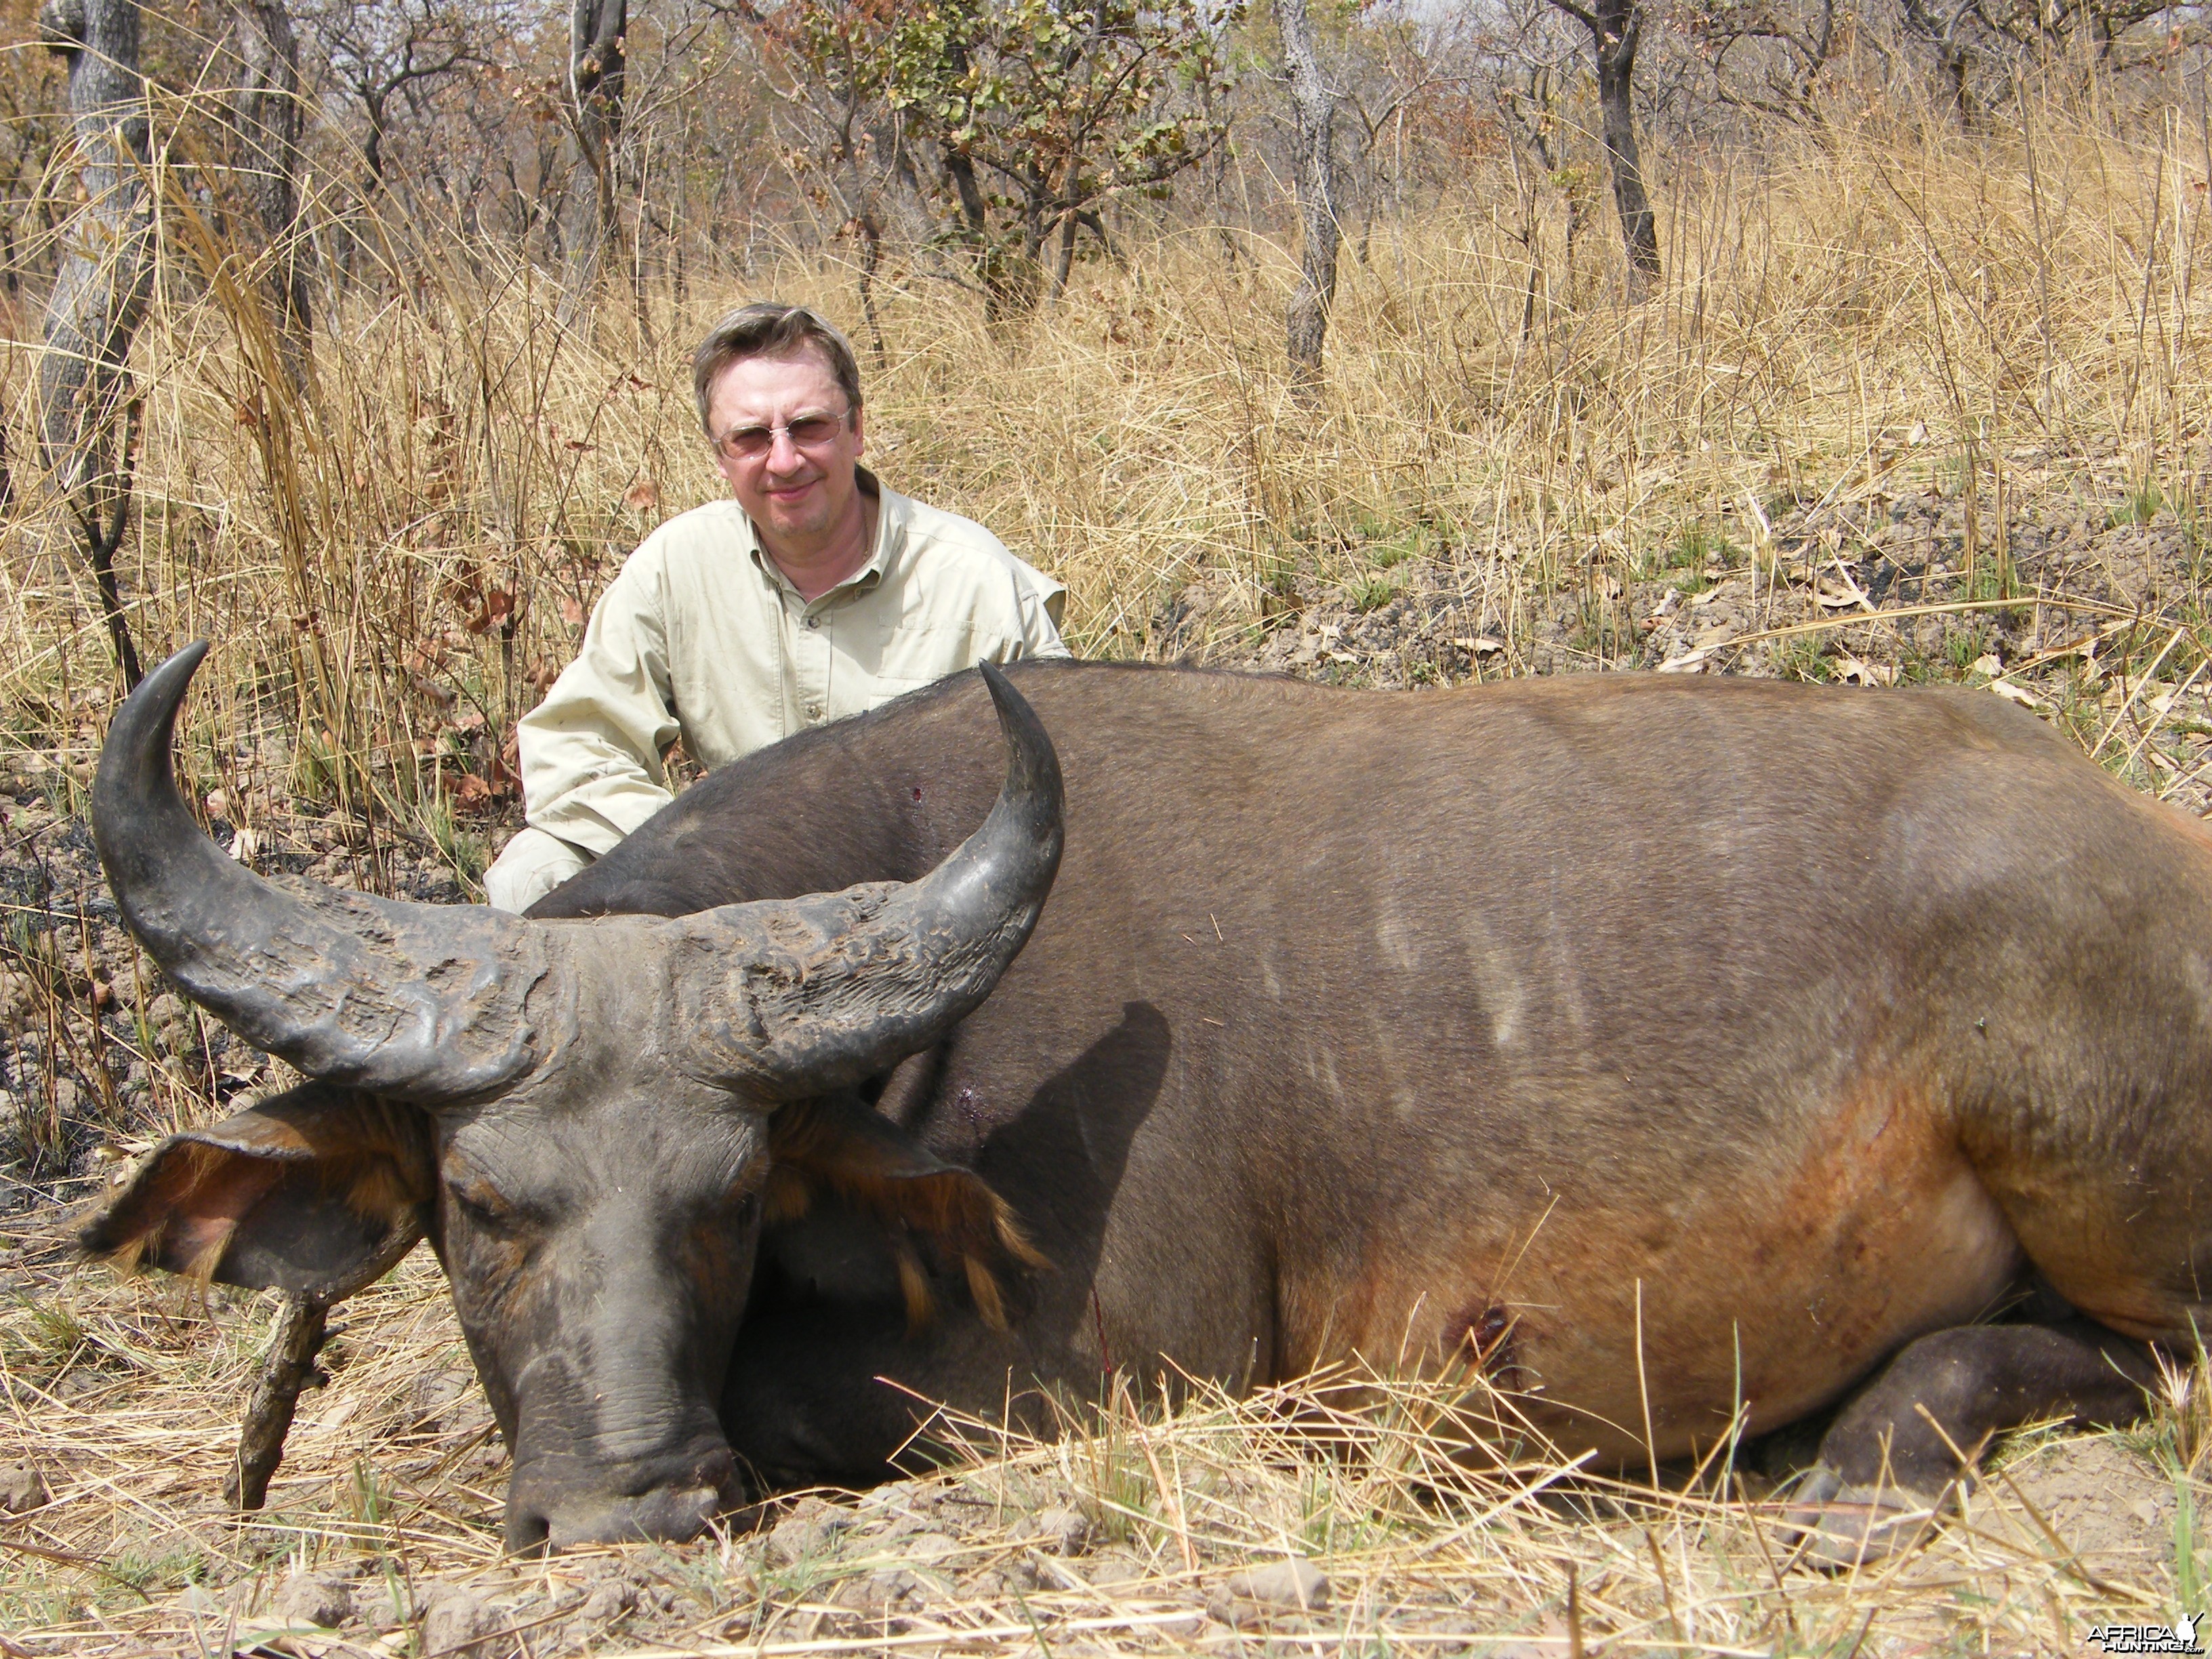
[1836, 1526]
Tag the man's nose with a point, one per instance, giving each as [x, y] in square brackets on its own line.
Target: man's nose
[783, 451]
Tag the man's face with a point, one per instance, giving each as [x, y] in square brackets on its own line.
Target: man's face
[797, 495]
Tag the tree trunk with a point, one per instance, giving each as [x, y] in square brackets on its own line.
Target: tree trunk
[1951, 56]
[1313, 110]
[265, 109]
[1618, 27]
[1007, 295]
[871, 234]
[597, 71]
[101, 289]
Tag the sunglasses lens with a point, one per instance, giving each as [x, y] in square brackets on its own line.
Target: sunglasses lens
[750, 443]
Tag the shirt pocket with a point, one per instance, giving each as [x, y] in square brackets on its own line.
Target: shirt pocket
[910, 655]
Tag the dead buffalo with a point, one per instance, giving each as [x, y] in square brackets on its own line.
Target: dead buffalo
[1653, 1044]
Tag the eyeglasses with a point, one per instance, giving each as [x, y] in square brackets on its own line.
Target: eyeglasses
[750, 443]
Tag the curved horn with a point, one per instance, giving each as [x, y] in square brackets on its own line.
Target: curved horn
[789, 997]
[423, 1002]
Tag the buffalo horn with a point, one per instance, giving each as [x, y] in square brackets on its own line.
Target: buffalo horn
[420, 1002]
[785, 999]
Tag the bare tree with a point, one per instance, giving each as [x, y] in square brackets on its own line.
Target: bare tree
[1769, 59]
[265, 111]
[385, 54]
[599, 68]
[1942, 25]
[1616, 28]
[1313, 110]
[100, 291]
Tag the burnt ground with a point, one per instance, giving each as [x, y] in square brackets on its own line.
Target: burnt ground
[2086, 616]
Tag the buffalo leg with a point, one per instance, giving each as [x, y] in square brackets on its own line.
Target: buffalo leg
[1893, 1455]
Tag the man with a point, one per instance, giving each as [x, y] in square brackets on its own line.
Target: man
[813, 594]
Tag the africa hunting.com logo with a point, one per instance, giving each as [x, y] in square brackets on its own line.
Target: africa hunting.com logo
[2181, 1637]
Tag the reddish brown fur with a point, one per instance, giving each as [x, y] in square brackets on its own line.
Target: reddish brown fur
[889, 1178]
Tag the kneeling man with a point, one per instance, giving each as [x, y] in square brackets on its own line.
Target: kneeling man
[812, 593]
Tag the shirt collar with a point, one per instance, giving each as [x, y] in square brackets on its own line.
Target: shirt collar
[891, 537]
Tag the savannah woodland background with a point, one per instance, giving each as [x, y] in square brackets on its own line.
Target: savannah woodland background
[1846, 340]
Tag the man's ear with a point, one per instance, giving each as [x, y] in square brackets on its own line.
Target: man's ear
[319, 1191]
[837, 1142]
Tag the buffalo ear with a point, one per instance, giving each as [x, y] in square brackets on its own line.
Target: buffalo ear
[837, 1142]
[319, 1191]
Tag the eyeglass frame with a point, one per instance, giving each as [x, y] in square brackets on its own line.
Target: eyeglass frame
[721, 446]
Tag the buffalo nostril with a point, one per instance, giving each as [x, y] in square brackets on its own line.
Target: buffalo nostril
[668, 1516]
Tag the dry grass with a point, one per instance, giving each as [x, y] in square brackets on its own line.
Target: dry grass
[2017, 324]
[123, 1395]
[2007, 331]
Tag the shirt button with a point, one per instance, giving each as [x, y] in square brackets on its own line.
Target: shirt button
[814, 621]
[814, 711]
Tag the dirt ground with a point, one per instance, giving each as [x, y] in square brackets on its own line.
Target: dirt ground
[381, 1534]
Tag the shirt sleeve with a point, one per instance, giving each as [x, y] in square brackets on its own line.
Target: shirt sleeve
[1034, 629]
[1040, 613]
[592, 751]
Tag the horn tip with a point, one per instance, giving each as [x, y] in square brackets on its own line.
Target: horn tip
[134, 787]
[1033, 765]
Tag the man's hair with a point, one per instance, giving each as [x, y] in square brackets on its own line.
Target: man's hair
[769, 328]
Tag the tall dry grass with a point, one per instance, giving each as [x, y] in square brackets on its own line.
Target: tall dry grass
[1854, 310]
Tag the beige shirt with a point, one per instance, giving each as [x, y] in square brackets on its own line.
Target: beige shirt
[701, 636]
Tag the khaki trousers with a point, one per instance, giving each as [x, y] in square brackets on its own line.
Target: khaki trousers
[529, 867]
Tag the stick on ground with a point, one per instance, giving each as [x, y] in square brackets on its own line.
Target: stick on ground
[286, 1368]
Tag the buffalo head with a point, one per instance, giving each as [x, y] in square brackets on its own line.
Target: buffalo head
[588, 1120]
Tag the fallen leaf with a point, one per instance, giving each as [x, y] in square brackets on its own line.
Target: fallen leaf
[642, 497]
[1853, 672]
[2020, 694]
[1988, 664]
[572, 611]
[429, 688]
[1481, 646]
[243, 845]
[1690, 662]
[497, 605]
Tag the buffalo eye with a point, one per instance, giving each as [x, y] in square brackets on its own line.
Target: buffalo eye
[483, 1203]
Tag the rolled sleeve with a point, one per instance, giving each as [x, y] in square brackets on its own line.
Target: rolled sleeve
[591, 752]
[1041, 603]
